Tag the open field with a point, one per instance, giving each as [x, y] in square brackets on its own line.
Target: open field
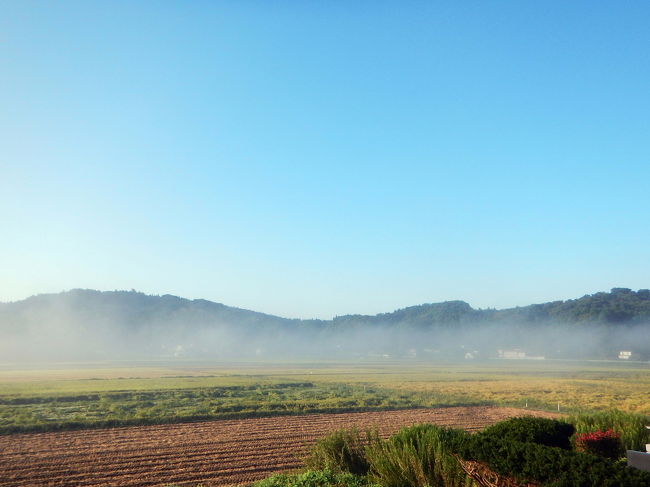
[138, 394]
[212, 453]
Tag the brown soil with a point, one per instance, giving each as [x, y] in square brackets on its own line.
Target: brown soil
[214, 453]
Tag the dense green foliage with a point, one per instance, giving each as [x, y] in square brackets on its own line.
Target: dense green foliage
[424, 455]
[317, 478]
[529, 429]
[631, 427]
[553, 467]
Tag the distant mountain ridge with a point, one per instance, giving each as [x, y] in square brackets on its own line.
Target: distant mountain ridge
[131, 322]
[620, 305]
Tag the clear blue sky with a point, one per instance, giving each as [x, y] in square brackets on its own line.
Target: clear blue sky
[312, 159]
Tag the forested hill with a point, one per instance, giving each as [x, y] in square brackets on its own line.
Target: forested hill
[129, 309]
[120, 324]
[621, 305]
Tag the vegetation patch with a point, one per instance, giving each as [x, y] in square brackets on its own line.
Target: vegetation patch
[519, 451]
[418, 456]
[528, 429]
[317, 478]
[143, 396]
[631, 427]
[342, 451]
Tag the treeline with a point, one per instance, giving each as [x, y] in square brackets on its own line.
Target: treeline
[621, 305]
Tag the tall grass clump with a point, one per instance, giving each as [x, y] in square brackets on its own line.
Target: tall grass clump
[631, 426]
[319, 478]
[418, 456]
[342, 451]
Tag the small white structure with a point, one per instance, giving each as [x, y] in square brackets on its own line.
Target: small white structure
[625, 355]
[512, 354]
[517, 354]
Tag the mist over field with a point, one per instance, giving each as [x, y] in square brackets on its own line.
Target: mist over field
[93, 325]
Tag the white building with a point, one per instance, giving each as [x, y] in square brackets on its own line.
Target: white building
[512, 354]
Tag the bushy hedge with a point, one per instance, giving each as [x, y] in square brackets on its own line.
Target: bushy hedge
[528, 429]
[526, 449]
[550, 466]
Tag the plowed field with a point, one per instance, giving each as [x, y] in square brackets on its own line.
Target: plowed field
[212, 453]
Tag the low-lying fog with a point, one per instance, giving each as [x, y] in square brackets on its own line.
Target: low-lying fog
[61, 340]
[89, 325]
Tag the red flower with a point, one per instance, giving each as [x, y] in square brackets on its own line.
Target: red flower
[601, 443]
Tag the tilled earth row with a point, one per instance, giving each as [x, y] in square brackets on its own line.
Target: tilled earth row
[214, 453]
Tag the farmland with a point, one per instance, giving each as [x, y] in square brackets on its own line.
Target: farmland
[161, 414]
[211, 453]
[137, 394]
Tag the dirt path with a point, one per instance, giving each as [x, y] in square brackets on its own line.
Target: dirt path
[215, 453]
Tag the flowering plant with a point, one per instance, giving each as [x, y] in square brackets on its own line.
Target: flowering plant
[601, 443]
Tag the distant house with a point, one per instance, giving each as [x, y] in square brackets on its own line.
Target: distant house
[512, 354]
[517, 354]
[625, 355]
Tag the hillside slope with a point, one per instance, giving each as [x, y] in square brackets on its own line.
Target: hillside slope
[94, 324]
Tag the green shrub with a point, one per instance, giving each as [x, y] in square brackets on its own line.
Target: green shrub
[342, 451]
[418, 456]
[548, 432]
[550, 466]
[320, 478]
[631, 426]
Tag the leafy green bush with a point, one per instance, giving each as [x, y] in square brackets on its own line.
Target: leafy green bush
[551, 466]
[342, 451]
[418, 456]
[320, 478]
[528, 429]
[631, 426]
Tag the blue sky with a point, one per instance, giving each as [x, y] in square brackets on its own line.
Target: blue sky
[312, 159]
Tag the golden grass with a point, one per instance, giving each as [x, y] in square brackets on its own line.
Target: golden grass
[575, 385]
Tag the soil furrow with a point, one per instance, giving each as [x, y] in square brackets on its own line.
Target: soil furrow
[215, 453]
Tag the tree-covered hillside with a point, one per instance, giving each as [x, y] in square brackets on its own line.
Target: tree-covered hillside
[120, 323]
[621, 305]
